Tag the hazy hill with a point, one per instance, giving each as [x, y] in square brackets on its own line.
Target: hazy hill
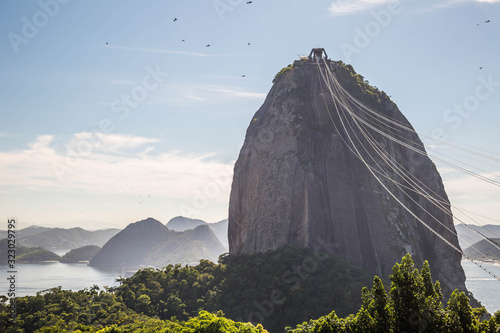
[468, 237]
[220, 230]
[150, 243]
[181, 223]
[59, 238]
[26, 254]
[33, 230]
[484, 248]
[187, 247]
[84, 253]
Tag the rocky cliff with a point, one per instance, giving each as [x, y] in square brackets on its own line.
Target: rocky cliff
[298, 182]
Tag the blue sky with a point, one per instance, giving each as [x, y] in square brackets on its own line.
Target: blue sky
[98, 135]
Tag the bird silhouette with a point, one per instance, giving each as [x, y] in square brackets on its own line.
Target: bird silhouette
[249, 2]
[248, 43]
[106, 43]
[480, 67]
[487, 21]
[208, 45]
[175, 19]
[243, 76]
[183, 40]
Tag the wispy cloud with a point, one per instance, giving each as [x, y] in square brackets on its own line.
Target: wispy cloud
[107, 143]
[455, 3]
[44, 167]
[152, 50]
[4, 135]
[197, 93]
[125, 82]
[237, 93]
[349, 7]
[97, 185]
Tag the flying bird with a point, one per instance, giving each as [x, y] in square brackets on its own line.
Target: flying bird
[249, 2]
[248, 43]
[487, 21]
[243, 76]
[480, 67]
[106, 43]
[208, 45]
[175, 19]
[183, 40]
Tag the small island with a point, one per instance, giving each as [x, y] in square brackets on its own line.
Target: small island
[82, 254]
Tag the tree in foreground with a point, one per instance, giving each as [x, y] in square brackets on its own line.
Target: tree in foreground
[413, 304]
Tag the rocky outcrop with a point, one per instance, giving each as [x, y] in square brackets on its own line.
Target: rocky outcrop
[298, 183]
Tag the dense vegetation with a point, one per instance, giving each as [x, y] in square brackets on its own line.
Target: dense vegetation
[57, 310]
[84, 253]
[278, 289]
[413, 304]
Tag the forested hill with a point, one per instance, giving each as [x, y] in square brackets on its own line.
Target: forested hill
[60, 238]
[150, 243]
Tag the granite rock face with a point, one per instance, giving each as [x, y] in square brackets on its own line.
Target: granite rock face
[298, 183]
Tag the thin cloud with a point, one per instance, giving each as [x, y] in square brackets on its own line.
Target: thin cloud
[349, 7]
[5, 135]
[115, 143]
[150, 50]
[237, 93]
[196, 98]
[42, 167]
[125, 82]
[455, 3]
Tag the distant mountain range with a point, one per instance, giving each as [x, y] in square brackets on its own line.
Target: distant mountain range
[58, 238]
[484, 250]
[181, 223]
[150, 243]
[468, 237]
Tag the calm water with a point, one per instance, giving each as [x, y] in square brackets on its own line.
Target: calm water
[35, 277]
[485, 288]
[31, 278]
